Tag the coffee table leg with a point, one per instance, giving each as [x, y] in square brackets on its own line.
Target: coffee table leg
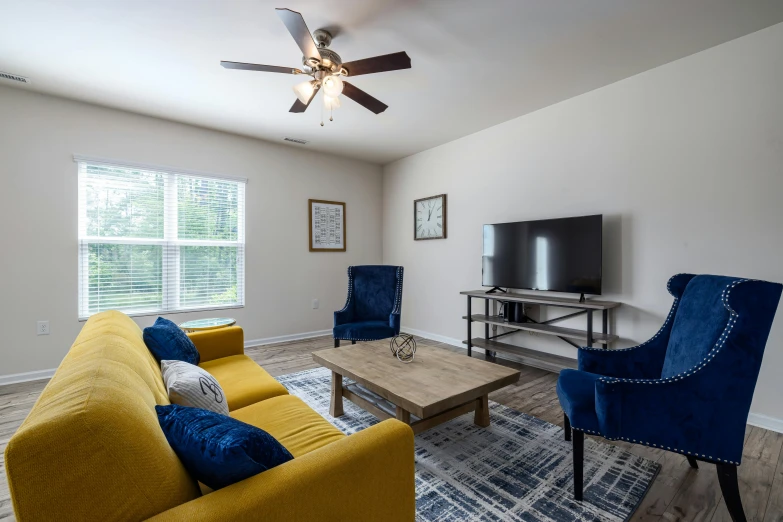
[336, 406]
[403, 415]
[481, 416]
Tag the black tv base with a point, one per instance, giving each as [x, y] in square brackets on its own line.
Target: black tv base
[491, 344]
[496, 289]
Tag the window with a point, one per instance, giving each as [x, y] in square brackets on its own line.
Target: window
[153, 241]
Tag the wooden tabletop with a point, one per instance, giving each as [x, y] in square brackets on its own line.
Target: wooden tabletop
[435, 381]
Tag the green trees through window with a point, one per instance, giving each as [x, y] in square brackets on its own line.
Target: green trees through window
[156, 241]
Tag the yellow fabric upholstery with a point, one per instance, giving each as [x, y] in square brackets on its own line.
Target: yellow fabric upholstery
[220, 342]
[292, 422]
[367, 477]
[92, 448]
[243, 381]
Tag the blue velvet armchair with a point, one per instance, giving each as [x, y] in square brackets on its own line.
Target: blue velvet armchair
[689, 388]
[372, 310]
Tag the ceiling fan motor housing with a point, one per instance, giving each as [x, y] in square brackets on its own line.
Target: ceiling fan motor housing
[330, 60]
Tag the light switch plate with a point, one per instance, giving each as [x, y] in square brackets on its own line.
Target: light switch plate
[315, 304]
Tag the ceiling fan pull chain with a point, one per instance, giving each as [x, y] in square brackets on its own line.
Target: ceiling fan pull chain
[331, 113]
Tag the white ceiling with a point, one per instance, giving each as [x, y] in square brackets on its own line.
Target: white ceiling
[475, 63]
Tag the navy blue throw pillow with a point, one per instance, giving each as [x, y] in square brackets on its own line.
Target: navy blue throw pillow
[168, 342]
[216, 449]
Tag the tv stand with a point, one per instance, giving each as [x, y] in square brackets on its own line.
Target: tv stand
[495, 289]
[532, 357]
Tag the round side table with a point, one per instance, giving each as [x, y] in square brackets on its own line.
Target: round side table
[198, 325]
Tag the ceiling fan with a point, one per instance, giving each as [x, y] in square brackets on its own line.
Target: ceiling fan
[326, 68]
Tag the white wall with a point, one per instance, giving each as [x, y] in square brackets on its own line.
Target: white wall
[38, 213]
[685, 162]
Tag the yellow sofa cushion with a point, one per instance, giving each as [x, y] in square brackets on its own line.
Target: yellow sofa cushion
[219, 342]
[92, 448]
[243, 381]
[292, 422]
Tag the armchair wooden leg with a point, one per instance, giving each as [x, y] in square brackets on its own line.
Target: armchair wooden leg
[692, 462]
[353, 342]
[337, 343]
[579, 454]
[566, 427]
[729, 486]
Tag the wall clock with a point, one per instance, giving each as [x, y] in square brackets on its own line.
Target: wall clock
[429, 218]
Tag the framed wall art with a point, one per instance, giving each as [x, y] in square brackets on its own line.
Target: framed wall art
[327, 226]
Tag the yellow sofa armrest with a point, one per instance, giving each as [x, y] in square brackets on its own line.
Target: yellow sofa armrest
[219, 343]
[367, 476]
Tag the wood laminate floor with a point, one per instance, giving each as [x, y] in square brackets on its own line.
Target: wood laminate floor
[679, 493]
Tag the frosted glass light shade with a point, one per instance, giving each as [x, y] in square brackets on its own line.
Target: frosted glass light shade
[304, 91]
[332, 86]
[331, 103]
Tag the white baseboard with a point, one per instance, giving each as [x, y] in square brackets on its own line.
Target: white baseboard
[766, 422]
[285, 338]
[434, 337]
[37, 375]
[754, 419]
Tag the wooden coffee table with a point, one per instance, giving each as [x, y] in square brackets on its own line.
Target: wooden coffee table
[437, 386]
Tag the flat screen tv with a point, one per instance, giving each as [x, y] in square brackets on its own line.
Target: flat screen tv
[561, 255]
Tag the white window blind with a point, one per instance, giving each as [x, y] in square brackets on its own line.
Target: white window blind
[153, 241]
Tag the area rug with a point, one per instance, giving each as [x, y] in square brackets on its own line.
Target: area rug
[518, 469]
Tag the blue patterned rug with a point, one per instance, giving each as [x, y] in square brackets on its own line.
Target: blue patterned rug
[518, 469]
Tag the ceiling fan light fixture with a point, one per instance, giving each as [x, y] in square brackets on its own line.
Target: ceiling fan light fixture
[304, 91]
[333, 86]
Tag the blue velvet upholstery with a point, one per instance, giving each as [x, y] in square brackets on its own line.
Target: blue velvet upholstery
[372, 310]
[576, 391]
[689, 388]
[216, 449]
[168, 342]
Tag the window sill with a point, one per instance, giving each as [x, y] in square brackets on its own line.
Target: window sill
[171, 312]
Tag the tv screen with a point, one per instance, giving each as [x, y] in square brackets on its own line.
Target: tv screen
[562, 255]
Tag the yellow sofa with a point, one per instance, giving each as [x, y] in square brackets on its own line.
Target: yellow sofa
[92, 448]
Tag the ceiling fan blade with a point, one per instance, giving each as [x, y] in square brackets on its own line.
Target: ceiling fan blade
[298, 28]
[301, 107]
[363, 99]
[387, 62]
[259, 67]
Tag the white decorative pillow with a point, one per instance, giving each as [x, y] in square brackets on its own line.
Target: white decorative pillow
[189, 385]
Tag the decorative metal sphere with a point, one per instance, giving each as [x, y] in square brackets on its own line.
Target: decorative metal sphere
[403, 347]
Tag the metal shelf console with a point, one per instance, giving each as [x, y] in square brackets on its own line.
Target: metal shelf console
[548, 361]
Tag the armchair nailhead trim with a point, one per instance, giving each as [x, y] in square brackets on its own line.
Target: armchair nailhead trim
[350, 290]
[648, 341]
[733, 316]
[655, 446]
[669, 283]
[398, 293]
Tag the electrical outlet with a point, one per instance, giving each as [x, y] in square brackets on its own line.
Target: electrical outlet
[315, 304]
[42, 328]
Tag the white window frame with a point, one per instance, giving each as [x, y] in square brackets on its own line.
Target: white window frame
[171, 244]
